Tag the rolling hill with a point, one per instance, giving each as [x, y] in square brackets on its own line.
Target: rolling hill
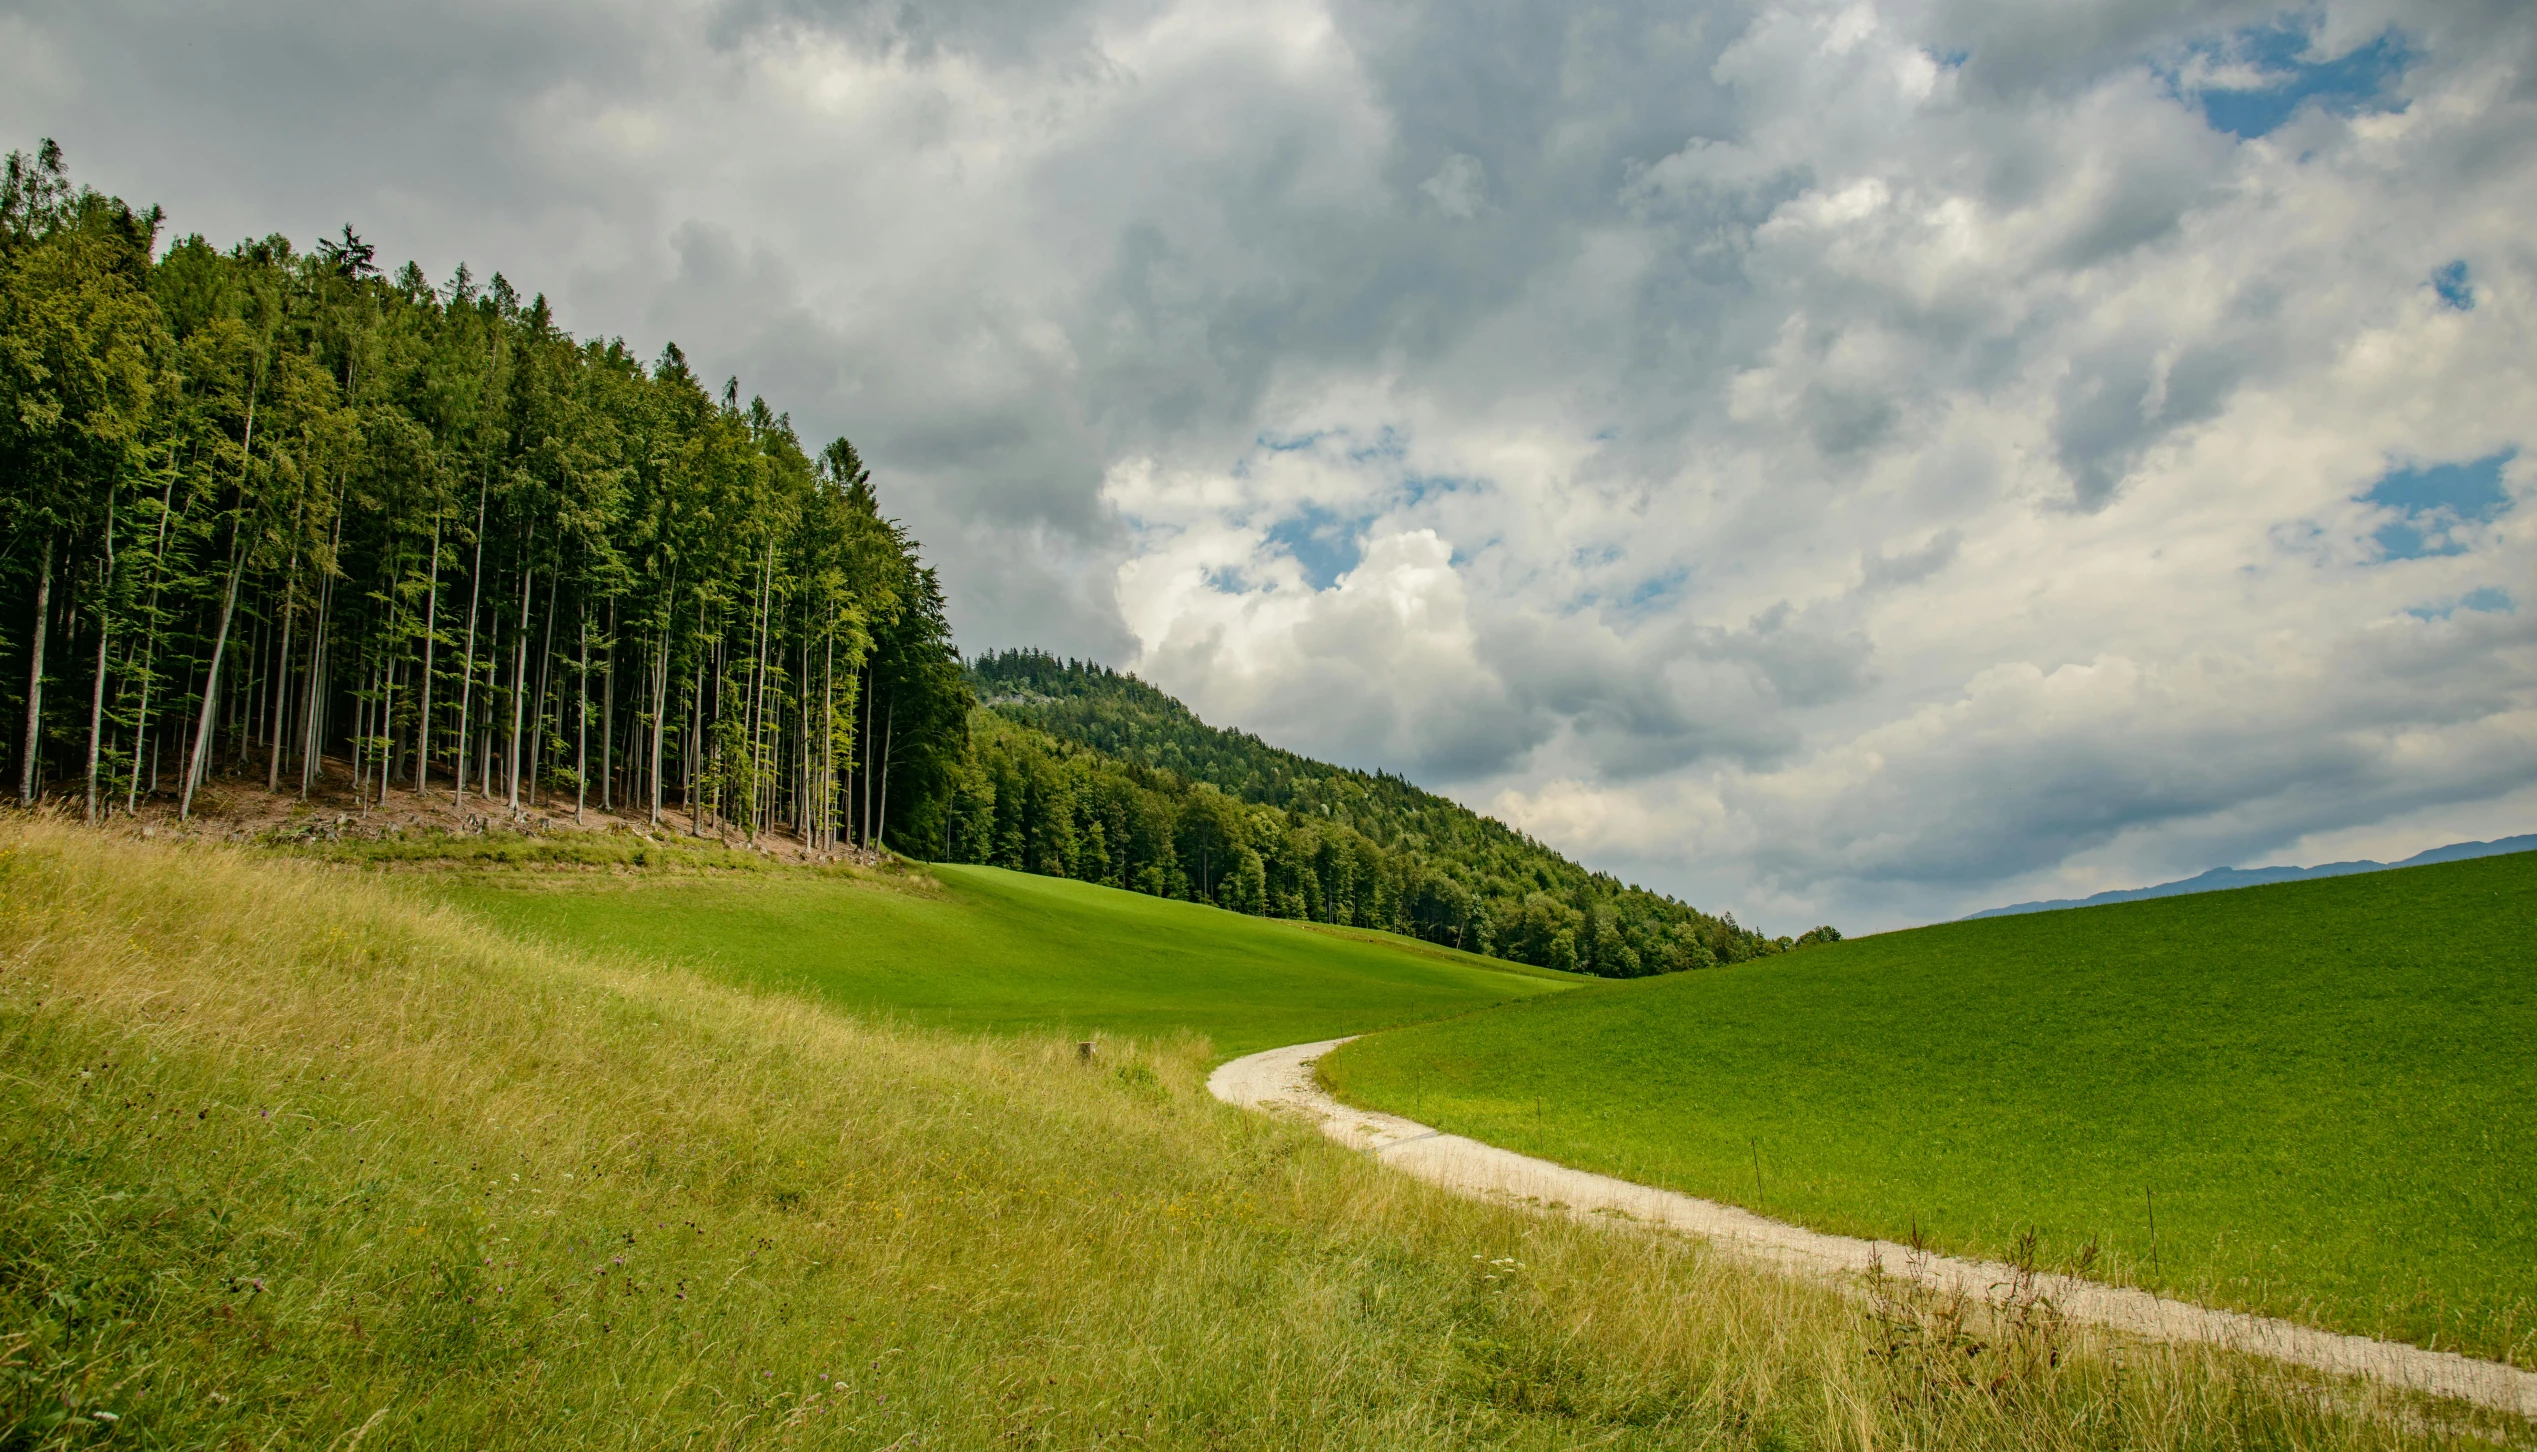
[1075, 770]
[2310, 1099]
[1003, 952]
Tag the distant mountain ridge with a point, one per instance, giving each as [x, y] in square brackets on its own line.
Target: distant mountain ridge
[2220, 879]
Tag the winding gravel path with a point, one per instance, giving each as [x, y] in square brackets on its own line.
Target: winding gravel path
[1283, 1080]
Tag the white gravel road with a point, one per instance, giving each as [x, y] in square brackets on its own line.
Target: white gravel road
[1282, 1081]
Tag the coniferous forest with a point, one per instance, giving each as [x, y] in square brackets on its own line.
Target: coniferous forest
[274, 514]
[281, 519]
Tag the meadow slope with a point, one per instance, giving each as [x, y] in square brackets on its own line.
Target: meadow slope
[289, 1158]
[997, 951]
[2310, 1100]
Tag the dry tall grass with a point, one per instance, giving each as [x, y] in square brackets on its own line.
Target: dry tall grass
[290, 1159]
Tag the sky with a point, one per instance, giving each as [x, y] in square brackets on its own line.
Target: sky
[1860, 462]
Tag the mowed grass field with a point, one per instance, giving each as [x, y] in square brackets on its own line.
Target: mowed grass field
[2323, 1093]
[988, 950]
[291, 1158]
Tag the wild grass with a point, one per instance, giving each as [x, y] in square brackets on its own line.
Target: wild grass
[290, 1158]
[2312, 1100]
[1007, 952]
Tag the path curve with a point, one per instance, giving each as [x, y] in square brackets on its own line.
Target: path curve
[1283, 1080]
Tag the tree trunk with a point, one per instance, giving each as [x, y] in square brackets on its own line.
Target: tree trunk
[320, 701]
[545, 682]
[581, 721]
[97, 689]
[467, 674]
[282, 698]
[383, 716]
[828, 741]
[423, 703]
[660, 712]
[881, 825]
[687, 782]
[872, 678]
[520, 667]
[757, 691]
[194, 768]
[608, 716]
[35, 674]
[312, 726]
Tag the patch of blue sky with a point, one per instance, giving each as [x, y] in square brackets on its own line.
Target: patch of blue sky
[1388, 443]
[1289, 443]
[2352, 82]
[1228, 580]
[1622, 597]
[2434, 502]
[2491, 600]
[1416, 488]
[2455, 286]
[1324, 543]
[1655, 591]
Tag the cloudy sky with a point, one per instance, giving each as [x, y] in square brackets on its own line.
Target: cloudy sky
[1851, 460]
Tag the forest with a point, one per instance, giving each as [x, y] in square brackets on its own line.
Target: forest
[273, 515]
[278, 518]
[1076, 770]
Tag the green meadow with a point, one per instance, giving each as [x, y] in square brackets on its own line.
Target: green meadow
[981, 949]
[292, 1157]
[2317, 1099]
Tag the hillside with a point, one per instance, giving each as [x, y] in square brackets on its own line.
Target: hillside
[2220, 879]
[980, 949]
[2310, 1100]
[291, 1159]
[1077, 770]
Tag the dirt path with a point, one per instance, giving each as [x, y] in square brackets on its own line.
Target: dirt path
[1282, 1079]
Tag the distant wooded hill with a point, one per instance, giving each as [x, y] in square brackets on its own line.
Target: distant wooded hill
[2221, 878]
[1076, 770]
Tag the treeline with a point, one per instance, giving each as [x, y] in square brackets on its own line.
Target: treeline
[272, 514]
[1074, 770]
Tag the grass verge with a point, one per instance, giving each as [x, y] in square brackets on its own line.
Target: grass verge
[289, 1158]
[2309, 1100]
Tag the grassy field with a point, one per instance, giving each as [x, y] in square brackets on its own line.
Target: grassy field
[2325, 1093]
[292, 1159]
[982, 949]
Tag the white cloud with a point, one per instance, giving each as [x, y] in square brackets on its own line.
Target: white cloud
[1852, 460]
[1460, 187]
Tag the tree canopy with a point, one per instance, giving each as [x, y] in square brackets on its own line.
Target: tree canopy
[1077, 770]
[274, 513]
